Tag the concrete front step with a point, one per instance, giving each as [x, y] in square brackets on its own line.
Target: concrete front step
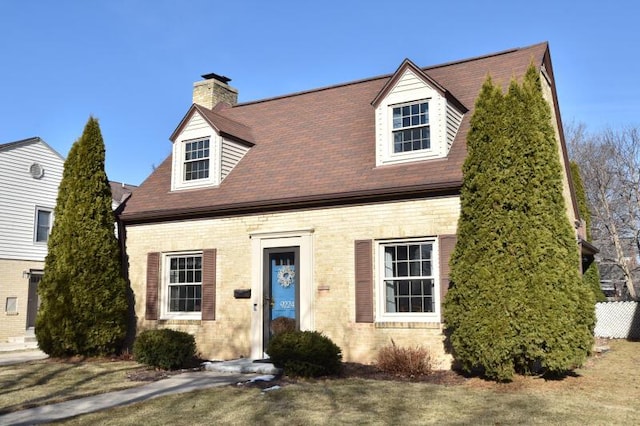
[242, 366]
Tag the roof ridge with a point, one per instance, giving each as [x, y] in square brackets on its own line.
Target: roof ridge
[379, 77]
[488, 55]
[18, 142]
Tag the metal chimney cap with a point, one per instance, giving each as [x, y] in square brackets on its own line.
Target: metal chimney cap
[215, 76]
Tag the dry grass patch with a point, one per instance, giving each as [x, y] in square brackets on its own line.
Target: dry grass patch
[605, 391]
[49, 381]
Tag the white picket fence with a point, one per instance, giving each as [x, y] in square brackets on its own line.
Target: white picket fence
[618, 320]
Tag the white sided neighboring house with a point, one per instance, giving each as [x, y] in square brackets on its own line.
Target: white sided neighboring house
[30, 173]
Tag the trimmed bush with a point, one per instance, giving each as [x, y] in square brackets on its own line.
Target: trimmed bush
[283, 325]
[305, 354]
[165, 348]
[403, 361]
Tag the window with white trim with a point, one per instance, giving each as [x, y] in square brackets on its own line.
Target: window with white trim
[408, 283]
[411, 130]
[182, 290]
[414, 120]
[42, 225]
[196, 160]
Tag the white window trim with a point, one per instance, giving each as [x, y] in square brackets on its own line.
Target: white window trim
[35, 224]
[381, 314]
[410, 155]
[410, 89]
[178, 180]
[164, 288]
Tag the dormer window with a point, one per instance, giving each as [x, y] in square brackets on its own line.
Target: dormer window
[411, 130]
[196, 160]
[416, 118]
[206, 147]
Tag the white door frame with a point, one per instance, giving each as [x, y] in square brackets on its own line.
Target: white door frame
[262, 240]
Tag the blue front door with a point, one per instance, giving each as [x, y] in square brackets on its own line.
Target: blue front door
[281, 290]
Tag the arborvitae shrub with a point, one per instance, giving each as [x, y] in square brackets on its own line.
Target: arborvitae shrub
[165, 348]
[305, 354]
[591, 276]
[517, 303]
[405, 361]
[83, 293]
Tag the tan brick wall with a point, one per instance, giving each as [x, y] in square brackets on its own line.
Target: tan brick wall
[14, 284]
[566, 191]
[335, 230]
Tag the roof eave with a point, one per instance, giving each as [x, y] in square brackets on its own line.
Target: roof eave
[356, 197]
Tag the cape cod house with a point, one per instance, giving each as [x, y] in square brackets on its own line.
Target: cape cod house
[335, 207]
[30, 173]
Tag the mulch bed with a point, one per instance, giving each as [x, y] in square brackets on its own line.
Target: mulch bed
[352, 370]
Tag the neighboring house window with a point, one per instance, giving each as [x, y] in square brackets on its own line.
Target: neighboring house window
[42, 225]
[11, 306]
[196, 160]
[183, 285]
[408, 281]
[411, 130]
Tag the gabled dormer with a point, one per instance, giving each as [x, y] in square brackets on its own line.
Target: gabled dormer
[416, 118]
[207, 145]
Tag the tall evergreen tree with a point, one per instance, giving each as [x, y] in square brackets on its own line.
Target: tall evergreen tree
[83, 296]
[517, 303]
[591, 276]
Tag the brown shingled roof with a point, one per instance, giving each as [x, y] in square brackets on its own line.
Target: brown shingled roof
[318, 147]
[120, 191]
[225, 126]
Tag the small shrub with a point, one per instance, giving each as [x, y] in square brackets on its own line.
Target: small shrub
[165, 348]
[282, 325]
[403, 361]
[305, 354]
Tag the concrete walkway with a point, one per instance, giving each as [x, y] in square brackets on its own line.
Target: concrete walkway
[180, 383]
[8, 357]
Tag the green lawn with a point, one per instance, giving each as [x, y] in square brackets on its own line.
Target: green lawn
[605, 391]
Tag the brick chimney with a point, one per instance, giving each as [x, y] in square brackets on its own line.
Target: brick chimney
[213, 90]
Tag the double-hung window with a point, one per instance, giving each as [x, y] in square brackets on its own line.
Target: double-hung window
[411, 131]
[408, 289]
[42, 225]
[184, 285]
[196, 160]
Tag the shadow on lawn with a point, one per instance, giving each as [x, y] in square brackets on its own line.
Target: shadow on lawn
[67, 392]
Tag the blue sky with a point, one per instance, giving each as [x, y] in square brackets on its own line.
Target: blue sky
[132, 63]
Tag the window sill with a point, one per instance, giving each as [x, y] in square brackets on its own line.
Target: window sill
[410, 157]
[403, 324]
[11, 314]
[179, 321]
